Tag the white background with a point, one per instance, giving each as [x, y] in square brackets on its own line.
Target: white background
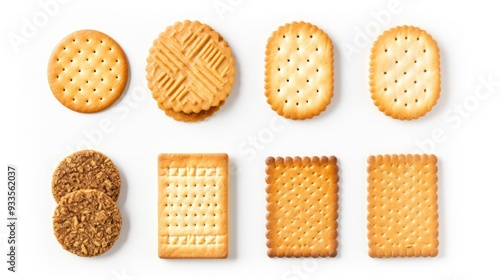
[37, 132]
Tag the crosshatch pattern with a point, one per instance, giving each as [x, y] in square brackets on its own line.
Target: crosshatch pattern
[190, 68]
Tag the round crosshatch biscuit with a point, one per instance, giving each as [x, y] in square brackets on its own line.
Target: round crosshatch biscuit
[190, 68]
[405, 79]
[86, 169]
[87, 223]
[87, 71]
[299, 71]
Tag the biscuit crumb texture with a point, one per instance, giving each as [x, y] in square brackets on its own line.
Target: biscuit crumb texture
[302, 197]
[86, 169]
[87, 223]
[299, 71]
[405, 78]
[402, 206]
[87, 71]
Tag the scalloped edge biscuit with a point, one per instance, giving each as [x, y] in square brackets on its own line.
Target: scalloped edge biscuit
[405, 79]
[299, 76]
[292, 230]
[191, 117]
[402, 206]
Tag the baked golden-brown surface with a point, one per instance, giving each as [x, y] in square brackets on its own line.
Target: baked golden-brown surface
[302, 197]
[402, 205]
[299, 70]
[193, 206]
[87, 71]
[405, 78]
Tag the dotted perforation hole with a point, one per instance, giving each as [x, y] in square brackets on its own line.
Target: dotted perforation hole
[304, 62]
[302, 194]
[405, 52]
[198, 203]
[95, 83]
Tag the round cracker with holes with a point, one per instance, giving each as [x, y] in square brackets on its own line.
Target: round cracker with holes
[299, 70]
[87, 71]
[405, 79]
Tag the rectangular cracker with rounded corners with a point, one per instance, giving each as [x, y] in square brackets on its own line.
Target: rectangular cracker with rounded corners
[402, 206]
[193, 205]
[299, 70]
[302, 197]
[405, 75]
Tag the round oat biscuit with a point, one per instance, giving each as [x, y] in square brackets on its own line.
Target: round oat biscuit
[87, 223]
[87, 71]
[299, 79]
[405, 79]
[86, 169]
[190, 68]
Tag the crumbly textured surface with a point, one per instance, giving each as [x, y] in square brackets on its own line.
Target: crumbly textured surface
[193, 205]
[86, 169]
[87, 71]
[191, 117]
[405, 79]
[87, 223]
[302, 197]
[402, 206]
[299, 70]
[190, 68]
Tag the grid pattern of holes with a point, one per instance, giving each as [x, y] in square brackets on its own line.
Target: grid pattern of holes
[191, 204]
[299, 69]
[405, 70]
[302, 203]
[402, 195]
[88, 69]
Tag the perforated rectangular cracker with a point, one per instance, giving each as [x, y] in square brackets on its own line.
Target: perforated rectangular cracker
[405, 75]
[193, 205]
[402, 206]
[299, 70]
[302, 196]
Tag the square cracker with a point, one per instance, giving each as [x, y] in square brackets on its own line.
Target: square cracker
[302, 196]
[402, 206]
[193, 205]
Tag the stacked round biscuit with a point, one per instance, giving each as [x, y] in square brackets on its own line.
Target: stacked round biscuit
[86, 186]
[190, 71]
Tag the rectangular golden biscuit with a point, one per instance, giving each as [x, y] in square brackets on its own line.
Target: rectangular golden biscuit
[302, 197]
[405, 75]
[402, 206]
[299, 76]
[193, 205]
